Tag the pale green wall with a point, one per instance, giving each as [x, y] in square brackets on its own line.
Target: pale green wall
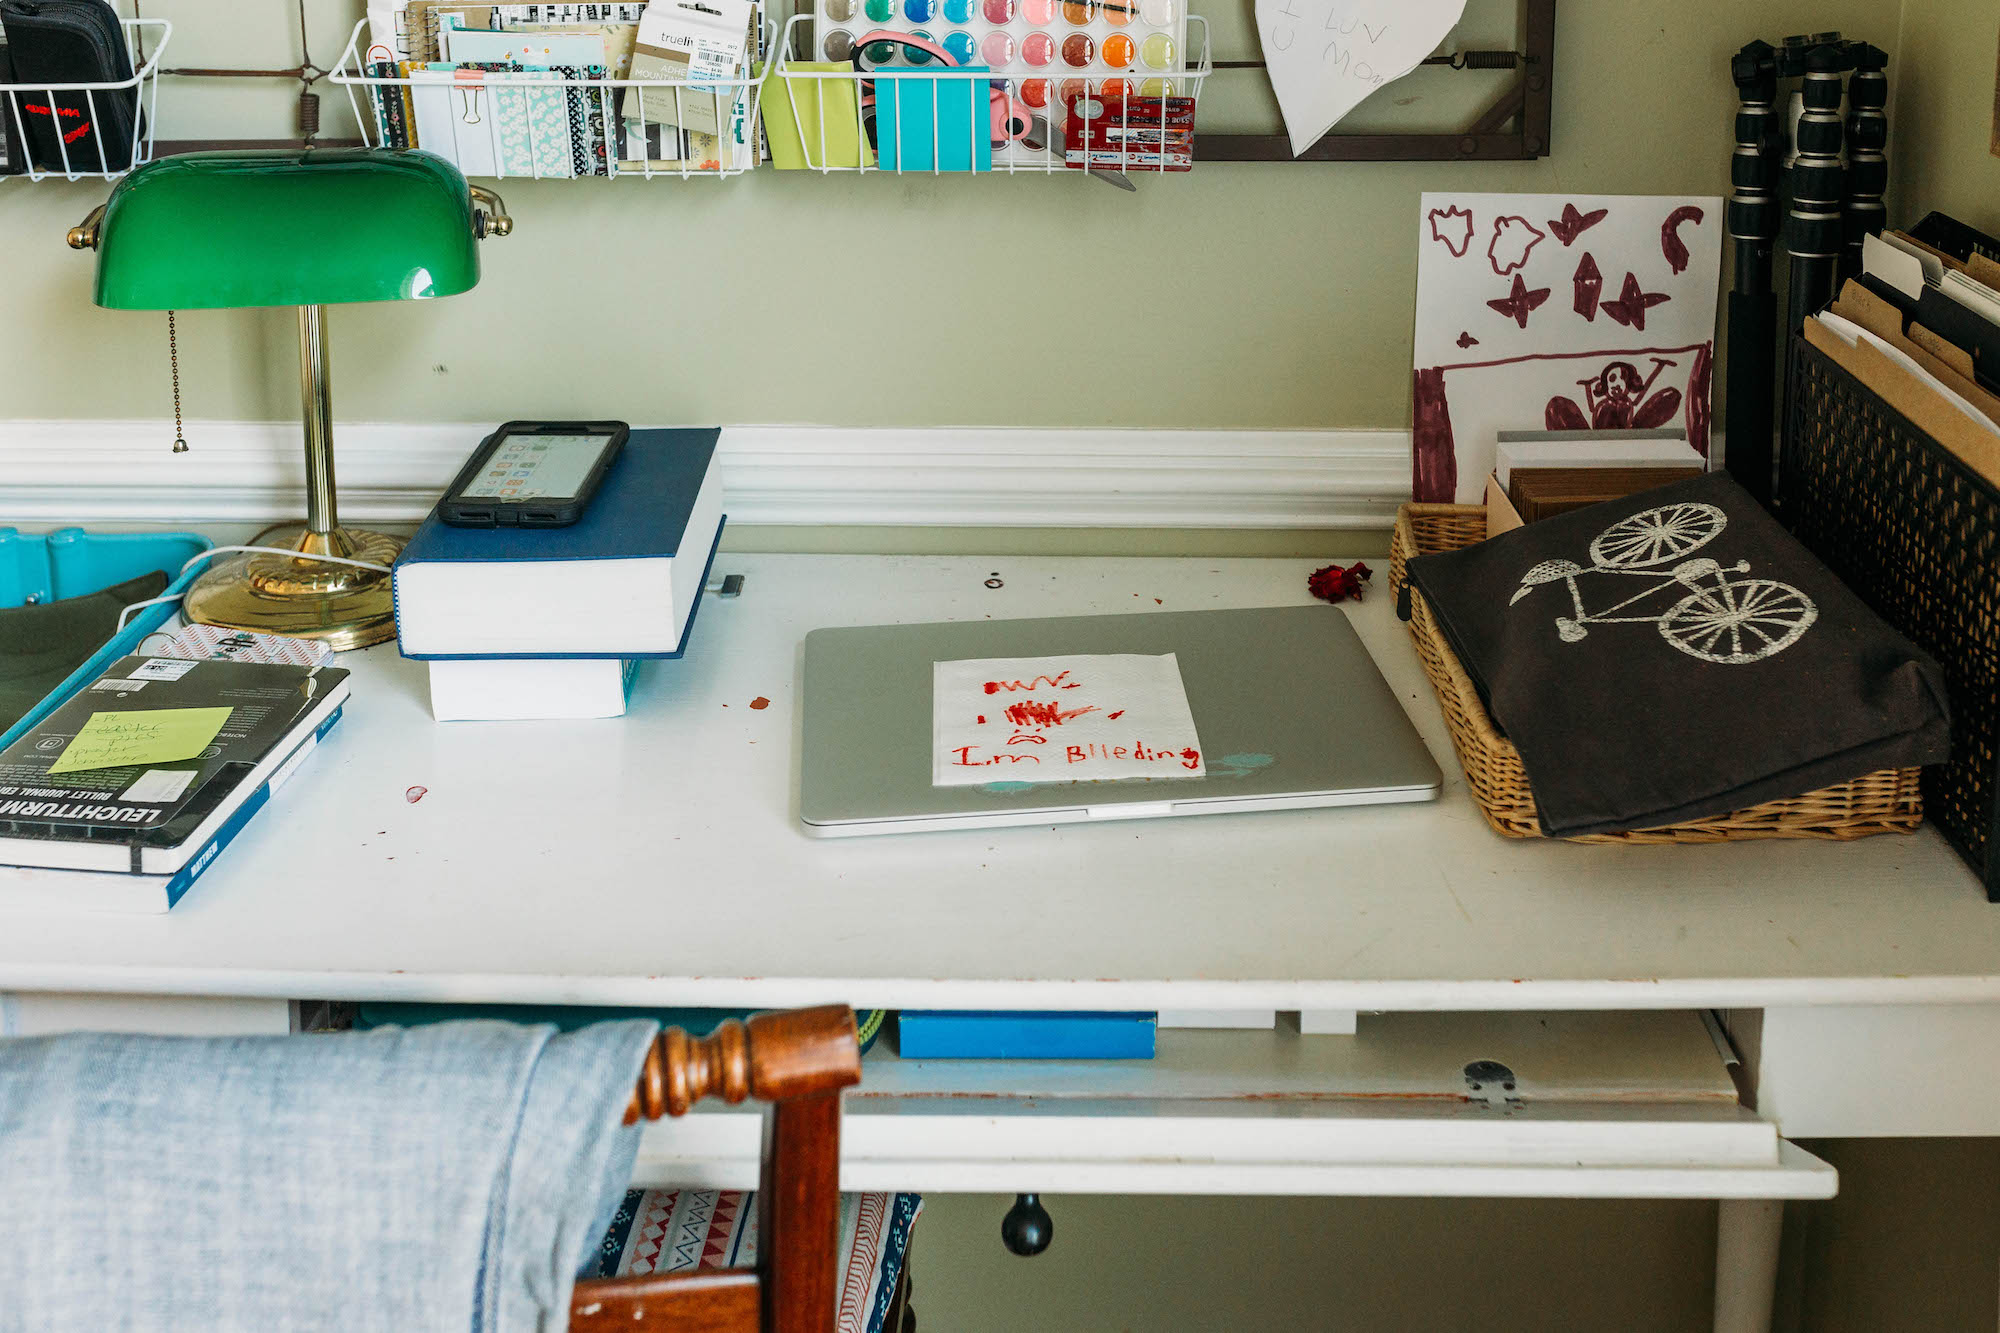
[1236, 296]
[1941, 125]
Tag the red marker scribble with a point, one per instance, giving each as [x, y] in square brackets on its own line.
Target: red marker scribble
[1043, 713]
[965, 759]
[1055, 682]
[1671, 245]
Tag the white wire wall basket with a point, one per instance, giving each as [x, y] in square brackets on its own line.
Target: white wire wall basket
[548, 125]
[1016, 117]
[88, 131]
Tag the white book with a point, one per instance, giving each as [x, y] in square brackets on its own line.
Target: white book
[1664, 452]
[530, 688]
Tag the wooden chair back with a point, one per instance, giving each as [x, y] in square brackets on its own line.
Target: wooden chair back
[799, 1063]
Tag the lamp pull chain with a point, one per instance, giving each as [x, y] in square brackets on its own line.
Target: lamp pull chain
[174, 361]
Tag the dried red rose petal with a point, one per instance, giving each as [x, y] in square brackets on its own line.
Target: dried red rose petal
[1334, 584]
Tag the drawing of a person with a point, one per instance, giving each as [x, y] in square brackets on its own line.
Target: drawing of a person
[1616, 399]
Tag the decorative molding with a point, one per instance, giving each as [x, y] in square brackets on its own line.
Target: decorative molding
[118, 472]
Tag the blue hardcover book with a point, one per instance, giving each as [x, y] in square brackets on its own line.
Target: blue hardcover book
[950, 1034]
[622, 581]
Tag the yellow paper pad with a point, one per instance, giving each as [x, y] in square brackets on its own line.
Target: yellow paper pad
[159, 736]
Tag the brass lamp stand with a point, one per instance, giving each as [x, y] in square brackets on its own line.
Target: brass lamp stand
[343, 606]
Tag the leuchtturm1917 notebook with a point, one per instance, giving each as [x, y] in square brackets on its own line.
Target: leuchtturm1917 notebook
[622, 581]
[136, 811]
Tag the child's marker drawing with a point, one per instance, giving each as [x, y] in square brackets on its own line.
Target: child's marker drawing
[1564, 312]
[1068, 719]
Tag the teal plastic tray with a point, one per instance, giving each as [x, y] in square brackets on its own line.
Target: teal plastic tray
[46, 567]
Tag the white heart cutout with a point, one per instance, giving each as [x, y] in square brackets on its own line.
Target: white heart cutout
[1324, 56]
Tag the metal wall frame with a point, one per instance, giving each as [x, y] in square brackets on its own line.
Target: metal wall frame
[1527, 105]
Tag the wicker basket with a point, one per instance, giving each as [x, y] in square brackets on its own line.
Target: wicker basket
[1881, 802]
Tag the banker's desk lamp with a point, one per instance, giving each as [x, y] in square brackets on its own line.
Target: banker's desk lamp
[203, 231]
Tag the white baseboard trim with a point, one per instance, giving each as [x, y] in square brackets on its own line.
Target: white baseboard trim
[115, 472]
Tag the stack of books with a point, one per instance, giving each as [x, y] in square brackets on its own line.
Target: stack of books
[1538, 474]
[121, 798]
[523, 623]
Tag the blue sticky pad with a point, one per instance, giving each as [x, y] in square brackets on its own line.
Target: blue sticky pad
[944, 121]
[946, 1034]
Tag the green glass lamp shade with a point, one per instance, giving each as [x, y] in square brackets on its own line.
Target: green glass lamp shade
[203, 231]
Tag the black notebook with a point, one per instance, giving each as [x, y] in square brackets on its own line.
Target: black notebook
[144, 816]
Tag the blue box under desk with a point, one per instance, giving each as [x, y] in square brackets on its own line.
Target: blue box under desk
[47, 567]
[947, 1034]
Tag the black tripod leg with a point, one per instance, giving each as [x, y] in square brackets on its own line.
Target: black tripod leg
[1753, 330]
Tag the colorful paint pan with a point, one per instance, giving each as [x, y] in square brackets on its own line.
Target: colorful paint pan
[1117, 47]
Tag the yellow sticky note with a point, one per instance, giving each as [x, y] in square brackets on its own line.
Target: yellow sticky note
[158, 736]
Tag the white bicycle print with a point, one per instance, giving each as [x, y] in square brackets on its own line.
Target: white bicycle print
[1721, 618]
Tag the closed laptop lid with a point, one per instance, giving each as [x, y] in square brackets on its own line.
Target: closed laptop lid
[1290, 709]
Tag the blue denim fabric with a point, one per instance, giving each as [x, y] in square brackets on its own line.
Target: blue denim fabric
[454, 1176]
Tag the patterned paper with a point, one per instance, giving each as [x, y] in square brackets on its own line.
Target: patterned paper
[684, 1231]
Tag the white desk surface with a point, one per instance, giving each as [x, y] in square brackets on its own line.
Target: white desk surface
[658, 860]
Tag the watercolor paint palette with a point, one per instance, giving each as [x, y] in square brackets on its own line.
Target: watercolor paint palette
[1045, 49]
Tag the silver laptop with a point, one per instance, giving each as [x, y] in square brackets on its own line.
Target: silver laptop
[1291, 712]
